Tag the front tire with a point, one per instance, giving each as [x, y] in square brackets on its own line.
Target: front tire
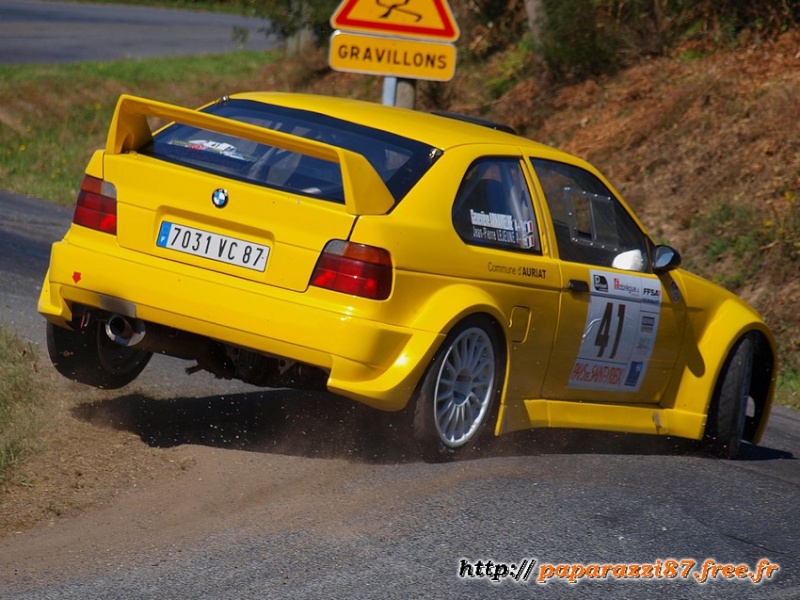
[456, 402]
[88, 356]
[728, 410]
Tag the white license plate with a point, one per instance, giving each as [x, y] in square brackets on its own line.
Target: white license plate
[223, 248]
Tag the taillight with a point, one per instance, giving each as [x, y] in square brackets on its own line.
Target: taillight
[97, 205]
[354, 269]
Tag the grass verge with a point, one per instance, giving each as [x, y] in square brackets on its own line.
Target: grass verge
[52, 117]
[20, 399]
[788, 392]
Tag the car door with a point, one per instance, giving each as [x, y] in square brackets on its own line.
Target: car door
[620, 326]
[503, 251]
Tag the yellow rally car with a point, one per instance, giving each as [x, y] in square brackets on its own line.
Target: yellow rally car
[478, 281]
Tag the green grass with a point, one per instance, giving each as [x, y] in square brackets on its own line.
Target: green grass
[788, 391]
[53, 117]
[20, 395]
[742, 232]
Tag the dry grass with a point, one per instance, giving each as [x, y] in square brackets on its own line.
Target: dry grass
[53, 117]
[20, 399]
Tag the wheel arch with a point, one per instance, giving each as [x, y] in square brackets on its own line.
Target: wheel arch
[454, 304]
[717, 320]
[762, 385]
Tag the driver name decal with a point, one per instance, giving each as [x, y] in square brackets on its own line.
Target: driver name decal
[620, 332]
[502, 228]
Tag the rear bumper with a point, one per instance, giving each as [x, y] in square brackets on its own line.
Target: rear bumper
[369, 361]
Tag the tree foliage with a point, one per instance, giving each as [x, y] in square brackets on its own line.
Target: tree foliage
[580, 38]
[574, 38]
[289, 17]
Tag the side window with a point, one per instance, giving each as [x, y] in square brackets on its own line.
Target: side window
[591, 226]
[493, 207]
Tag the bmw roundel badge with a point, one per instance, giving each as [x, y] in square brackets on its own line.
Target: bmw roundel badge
[220, 197]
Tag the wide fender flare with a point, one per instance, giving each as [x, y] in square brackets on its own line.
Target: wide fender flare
[454, 303]
[706, 349]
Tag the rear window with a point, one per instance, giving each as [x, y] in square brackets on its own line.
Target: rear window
[399, 161]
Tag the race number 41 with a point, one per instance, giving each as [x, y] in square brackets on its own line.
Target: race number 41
[619, 334]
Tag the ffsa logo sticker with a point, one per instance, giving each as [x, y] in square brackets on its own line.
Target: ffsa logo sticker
[651, 294]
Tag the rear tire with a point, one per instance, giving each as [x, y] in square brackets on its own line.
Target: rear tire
[456, 403]
[728, 410]
[88, 356]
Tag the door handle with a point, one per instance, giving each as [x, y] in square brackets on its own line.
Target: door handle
[576, 285]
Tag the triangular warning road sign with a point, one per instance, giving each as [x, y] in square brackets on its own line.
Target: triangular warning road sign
[420, 19]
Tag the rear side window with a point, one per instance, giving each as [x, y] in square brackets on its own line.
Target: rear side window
[399, 161]
[493, 207]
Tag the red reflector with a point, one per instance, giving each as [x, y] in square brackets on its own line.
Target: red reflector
[354, 269]
[97, 205]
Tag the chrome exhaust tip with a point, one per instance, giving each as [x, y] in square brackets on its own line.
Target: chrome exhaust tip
[124, 330]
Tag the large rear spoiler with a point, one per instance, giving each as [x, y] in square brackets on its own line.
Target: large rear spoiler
[365, 193]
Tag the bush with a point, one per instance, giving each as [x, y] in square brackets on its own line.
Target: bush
[586, 38]
[574, 41]
[290, 17]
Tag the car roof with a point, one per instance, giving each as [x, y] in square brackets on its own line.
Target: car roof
[439, 131]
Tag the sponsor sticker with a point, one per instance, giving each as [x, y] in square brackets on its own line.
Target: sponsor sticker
[620, 332]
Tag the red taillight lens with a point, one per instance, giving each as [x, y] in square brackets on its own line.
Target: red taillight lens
[354, 269]
[97, 205]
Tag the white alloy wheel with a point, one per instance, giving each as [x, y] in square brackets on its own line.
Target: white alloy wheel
[464, 387]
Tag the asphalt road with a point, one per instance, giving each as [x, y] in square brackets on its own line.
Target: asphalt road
[35, 31]
[324, 505]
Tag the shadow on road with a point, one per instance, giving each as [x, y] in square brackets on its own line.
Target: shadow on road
[320, 425]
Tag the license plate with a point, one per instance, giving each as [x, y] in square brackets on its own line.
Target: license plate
[222, 248]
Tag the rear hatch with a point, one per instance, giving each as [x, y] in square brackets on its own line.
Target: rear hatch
[231, 196]
[260, 234]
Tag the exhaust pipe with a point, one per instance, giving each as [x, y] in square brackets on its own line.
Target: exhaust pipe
[130, 332]
[124, 330]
